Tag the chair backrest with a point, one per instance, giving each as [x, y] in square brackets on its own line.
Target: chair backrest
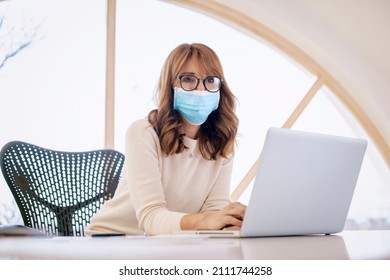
[58, 192]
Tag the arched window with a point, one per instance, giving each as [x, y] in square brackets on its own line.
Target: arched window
[54, 90]
[270, 85]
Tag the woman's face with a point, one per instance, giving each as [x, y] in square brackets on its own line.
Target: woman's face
[192, 67]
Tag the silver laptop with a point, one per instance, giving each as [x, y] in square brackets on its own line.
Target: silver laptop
[304, 185]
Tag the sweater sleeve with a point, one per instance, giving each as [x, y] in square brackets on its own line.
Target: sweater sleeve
[145, 181]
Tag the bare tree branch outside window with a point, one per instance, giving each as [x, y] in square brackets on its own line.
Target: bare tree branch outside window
[13, 39]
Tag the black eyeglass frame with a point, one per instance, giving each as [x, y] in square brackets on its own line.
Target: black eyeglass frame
[203, 81]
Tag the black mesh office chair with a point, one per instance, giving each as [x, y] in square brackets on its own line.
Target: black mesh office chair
[58, 192]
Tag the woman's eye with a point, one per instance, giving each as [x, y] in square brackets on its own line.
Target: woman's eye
[187, 79]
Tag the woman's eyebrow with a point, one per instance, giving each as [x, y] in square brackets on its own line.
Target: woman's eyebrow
[188, 73]
[192, 73]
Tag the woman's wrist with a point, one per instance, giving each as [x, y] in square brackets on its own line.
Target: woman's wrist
[192, 221]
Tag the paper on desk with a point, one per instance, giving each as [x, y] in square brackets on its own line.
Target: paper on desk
[19, 230]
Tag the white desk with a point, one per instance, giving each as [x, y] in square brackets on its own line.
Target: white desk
[346, 245]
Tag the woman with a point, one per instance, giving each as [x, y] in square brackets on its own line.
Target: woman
[179, 160]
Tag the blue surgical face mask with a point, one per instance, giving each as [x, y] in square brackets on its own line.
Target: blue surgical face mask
[195, 106]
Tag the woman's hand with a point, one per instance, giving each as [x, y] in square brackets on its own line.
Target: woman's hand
[229, 217]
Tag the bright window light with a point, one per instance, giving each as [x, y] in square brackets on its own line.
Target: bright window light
[53, 91]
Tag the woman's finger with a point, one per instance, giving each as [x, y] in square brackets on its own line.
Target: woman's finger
[231, 221]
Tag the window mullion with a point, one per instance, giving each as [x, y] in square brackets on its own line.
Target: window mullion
[288, 124]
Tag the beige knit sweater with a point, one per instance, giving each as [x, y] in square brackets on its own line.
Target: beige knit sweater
[156, 190]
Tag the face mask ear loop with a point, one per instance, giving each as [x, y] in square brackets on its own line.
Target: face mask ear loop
[173, 91]
[219, 99]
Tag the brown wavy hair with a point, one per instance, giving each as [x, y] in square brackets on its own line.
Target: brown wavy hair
[217, 134]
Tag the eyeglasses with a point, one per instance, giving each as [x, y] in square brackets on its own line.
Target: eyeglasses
[191, 82]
